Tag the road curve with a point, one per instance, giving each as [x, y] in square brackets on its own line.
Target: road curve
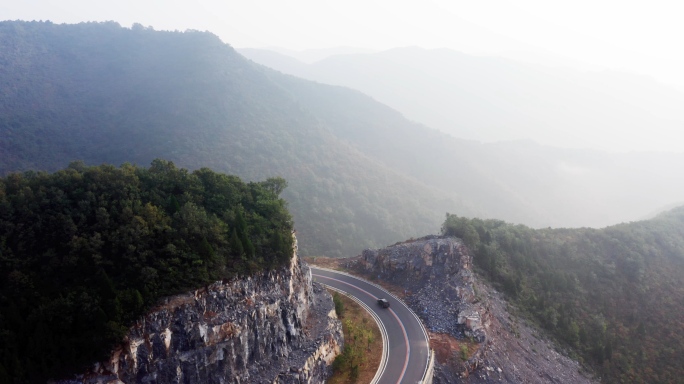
[408, 348]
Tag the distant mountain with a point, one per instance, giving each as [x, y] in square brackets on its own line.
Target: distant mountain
[494, 99]
[359, 173]
[519, 181]
[316, 54]
[101, 93]
[275, 59]
[547, 59]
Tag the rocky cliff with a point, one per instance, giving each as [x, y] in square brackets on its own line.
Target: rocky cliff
[475, 338]
[437, 271]
[275, 327]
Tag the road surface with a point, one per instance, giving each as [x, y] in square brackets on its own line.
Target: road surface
[408, 348]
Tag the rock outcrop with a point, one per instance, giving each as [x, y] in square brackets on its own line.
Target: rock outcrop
[275, 327]
[437, 271]
[475, 339]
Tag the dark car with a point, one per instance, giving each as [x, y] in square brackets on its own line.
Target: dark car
[383, 303]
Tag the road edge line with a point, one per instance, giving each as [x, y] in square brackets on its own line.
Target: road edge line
[422, 327]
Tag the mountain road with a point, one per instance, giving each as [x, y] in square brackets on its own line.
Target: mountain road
[404, 337]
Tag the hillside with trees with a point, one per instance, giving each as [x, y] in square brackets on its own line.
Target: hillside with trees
[360, 174]
[491, 98]
[86, 250]
[497, 99]
[98, 92]
[615, 296]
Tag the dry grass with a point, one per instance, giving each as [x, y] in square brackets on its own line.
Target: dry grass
[324, 262]
[449, 350]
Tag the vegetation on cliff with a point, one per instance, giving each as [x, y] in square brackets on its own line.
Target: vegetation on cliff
[84, 251]
[614, 295]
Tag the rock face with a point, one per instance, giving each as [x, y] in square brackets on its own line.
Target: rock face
[475, 339]
[437, 271]
[276, 327]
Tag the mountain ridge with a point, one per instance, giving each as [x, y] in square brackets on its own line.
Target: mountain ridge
[190, 98]
[492, 98]
[359, 172]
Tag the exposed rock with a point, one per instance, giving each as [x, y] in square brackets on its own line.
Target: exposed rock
[275, 327]
[437, 272]
[478, 341]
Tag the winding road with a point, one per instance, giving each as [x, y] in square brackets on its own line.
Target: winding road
[406, 348]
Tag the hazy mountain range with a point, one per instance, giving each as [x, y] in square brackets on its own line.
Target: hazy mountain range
[101, 93]
[496, 98]
[360, 174]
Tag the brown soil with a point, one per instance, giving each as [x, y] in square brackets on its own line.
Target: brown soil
[358, 315]
[324, 262]
[175, 302]
[448, 349]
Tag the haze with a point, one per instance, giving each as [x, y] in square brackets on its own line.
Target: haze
[638, 38]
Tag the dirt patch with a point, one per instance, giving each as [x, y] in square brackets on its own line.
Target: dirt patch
[174, 302]
[324, 262]
[450, 351]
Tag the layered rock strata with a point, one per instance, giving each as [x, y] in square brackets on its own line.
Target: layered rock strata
[275, 327]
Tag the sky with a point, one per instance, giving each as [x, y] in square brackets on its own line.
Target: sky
[634, 36]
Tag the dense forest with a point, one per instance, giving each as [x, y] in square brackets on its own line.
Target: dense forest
[615, 296]
[85, 250]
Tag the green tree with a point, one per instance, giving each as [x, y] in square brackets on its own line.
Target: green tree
[275, 185]
[339, 305]
[236, 244]
[98, 245]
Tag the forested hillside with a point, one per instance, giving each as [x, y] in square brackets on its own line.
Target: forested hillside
[497, 99]
[492, 98]
[86, 250]
[360, 175]
[615, 295]
[98, 92]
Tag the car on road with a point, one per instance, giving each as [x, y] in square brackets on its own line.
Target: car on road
[383, 303]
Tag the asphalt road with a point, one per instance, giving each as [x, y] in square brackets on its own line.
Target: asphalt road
[407, 352]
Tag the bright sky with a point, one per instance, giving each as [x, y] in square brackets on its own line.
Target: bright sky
[637, 36]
